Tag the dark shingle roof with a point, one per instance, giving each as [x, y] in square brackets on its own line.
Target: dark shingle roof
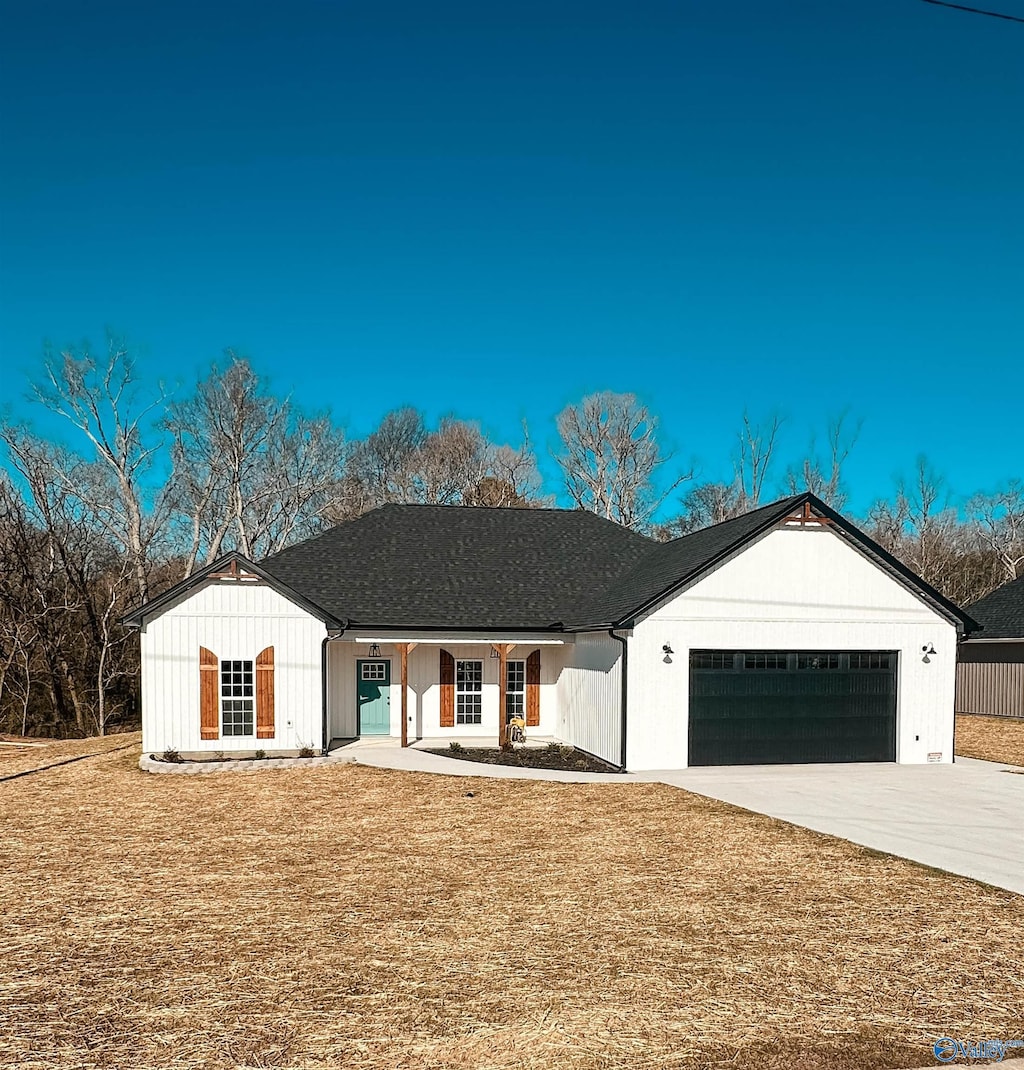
[671, 564]
[437, 566]
[422, 566]
[460, 567]
[1001, 613]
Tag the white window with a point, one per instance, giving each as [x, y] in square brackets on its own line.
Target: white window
[469, 677]
[236, 698]
[373, 670]
[515, 690]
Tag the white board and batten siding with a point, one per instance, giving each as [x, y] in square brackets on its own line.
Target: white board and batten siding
[425, 689]
[792, 590]
[235, 620]
[590, 696]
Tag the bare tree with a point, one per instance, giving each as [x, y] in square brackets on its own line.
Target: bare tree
[714, 502]
[610, 456]
[384, 463]
[824, 477]
[20, 615]
[68, 581]
[449, 463]
[921, 527]
[456, 464]
[102, 399]
[512, 478]
[704, 505]
[999, 521]
[754, 459]
[249, 470]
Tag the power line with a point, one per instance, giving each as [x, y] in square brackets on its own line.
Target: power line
[975, 10]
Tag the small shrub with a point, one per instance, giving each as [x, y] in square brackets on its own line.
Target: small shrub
[566, 750]
[260, 755]
[456, 747]
[553, 747]
[171, 755]
[581, 763]
[218, 756]
[305, 751]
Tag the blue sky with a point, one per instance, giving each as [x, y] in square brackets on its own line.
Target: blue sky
[492, 209]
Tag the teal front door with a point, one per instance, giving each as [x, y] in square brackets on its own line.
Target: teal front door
[373, 680]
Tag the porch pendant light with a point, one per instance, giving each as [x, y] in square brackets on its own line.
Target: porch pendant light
[374, 650]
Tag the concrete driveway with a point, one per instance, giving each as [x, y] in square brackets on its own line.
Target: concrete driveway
[967, 818]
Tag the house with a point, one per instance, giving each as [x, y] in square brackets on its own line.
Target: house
[784, 635]
[990, 675]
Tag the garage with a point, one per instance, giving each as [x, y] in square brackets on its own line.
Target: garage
[768, 707]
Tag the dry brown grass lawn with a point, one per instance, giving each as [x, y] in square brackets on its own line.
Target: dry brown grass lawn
[995, 739]
[344, 916]
[18, 753]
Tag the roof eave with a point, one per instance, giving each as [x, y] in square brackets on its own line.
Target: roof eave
[994, 638]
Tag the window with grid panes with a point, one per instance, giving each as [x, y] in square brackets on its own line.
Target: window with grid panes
[236, 698]
[817, 661]
[871, 659]
[515, 690]
[765, 661]
[469, 676]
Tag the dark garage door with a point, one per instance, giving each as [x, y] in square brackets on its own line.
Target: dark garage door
[757, 707]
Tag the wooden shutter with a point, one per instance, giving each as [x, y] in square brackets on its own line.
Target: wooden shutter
[533, 690]
[209, 697]
[265, 694]
[447, 678]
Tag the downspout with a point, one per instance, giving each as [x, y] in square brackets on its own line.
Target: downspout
[961, 637]
[323, 685]
[625, 692]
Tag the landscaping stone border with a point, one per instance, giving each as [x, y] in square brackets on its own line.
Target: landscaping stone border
[149, 764]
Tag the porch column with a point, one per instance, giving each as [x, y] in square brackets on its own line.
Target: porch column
[502, 683]
[503, 652]
[403, 649]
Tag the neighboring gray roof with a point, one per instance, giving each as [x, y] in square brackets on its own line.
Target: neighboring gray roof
[1001, 613]
[437, 566]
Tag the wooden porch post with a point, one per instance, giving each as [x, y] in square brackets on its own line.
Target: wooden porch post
[502, 683]
[503, 649]
[403, 649]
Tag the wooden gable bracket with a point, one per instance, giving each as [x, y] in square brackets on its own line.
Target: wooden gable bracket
[805, 518]
[235, 573]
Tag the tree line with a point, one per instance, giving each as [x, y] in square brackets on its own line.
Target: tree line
[155, 486]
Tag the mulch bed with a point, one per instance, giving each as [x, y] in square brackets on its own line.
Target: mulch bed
[341, 915]
[993, 739]
[567, 759]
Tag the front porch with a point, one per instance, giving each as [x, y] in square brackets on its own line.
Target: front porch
[425, 689]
